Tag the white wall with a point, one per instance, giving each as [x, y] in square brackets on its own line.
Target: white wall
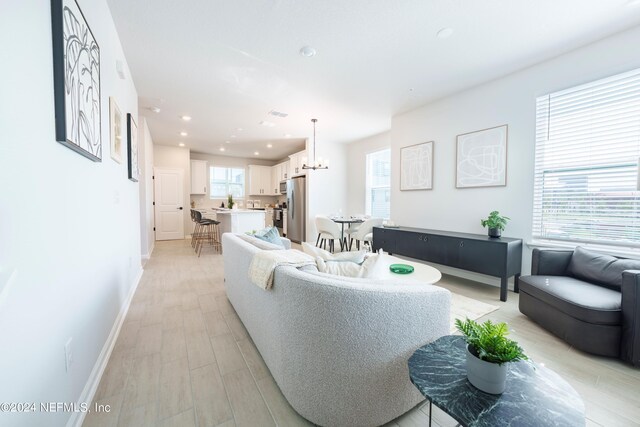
[147, 235]
[69, 235]
[357, 169]
[177, 158]
[327, 189]
[226, 161]
[509, 100]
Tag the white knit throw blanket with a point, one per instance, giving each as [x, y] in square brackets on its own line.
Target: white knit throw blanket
[264, 263]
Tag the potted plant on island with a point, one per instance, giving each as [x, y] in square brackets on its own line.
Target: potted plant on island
[230, 201]
[488, 352]
[495, 222]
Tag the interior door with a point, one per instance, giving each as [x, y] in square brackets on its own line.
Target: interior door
[169, 199]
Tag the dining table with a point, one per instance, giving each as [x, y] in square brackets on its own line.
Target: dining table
[343, 221]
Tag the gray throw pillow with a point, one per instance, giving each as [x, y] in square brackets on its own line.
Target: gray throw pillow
[598, 268]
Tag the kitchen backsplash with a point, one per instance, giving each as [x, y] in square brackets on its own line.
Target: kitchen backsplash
[205, 202]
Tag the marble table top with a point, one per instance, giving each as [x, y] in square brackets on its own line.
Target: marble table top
[535, 396]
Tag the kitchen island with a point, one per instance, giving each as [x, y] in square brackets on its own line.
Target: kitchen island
[236, 220]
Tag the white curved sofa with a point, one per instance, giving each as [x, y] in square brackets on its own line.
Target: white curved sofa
[337, 347]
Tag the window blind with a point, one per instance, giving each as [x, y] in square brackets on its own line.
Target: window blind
[586, 163]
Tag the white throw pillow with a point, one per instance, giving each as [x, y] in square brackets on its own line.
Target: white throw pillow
[356, 257]
[260, 244]
[370, 268]
[338, 268]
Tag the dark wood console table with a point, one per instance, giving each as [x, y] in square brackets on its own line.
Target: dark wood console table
[500, 257]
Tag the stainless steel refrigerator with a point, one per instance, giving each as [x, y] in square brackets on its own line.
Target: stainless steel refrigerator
[296, 209]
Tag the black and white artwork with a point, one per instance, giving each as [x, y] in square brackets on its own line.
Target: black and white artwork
[132, 148]
[416, 167]
[76, 76]
[481, 159]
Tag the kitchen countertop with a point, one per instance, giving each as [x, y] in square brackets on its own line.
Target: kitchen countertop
[230, 211]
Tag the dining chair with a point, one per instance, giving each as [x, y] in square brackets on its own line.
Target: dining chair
[365, 232]
[353, 228]
[327, 231]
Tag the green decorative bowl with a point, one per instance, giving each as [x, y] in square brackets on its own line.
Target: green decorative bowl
[401, 268]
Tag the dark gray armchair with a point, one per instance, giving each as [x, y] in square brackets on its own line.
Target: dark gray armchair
[590, 300]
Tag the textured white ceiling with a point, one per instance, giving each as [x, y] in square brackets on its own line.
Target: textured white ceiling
[228, 63]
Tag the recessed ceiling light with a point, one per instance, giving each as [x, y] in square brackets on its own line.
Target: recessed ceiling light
[183, 133]
[239, 129]
[269, 145]
[445, 33]
[185, 118]
[267, 124]
[181, 144]
[287, 135]
[307, 51]
[155, 109]
[221, 148]
[256, 153]
[233, 136]
[227, 142]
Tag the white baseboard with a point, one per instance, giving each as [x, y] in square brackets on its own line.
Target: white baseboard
[90, 388]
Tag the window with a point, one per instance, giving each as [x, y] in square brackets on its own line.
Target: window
[379, 183]
[586, 163]
[225, 181]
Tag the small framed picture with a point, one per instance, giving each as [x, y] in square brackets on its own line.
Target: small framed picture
[132, 148]
[115, 122]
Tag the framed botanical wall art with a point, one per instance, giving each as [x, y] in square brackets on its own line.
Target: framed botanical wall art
[115, 131]
[132, 147]
[76, 80]
[416, 167]
[481, 158]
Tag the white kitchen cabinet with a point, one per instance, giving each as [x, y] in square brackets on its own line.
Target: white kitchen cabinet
[198, 177]
[276, 171]
[259, 180]
[295, 164]
[284, 171]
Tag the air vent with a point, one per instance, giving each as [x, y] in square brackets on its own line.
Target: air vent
[278, 113]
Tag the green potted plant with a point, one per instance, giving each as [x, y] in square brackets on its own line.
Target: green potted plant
[488, 352]
[230, 201]
[495, 222]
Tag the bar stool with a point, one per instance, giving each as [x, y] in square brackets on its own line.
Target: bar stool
[206, 231]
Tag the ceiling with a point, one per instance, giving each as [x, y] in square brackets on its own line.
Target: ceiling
[227, 64]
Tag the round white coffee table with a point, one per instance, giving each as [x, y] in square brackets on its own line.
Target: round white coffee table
[421, 272]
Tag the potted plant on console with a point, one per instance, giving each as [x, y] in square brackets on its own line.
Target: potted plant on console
[495, 222]
[488, 352]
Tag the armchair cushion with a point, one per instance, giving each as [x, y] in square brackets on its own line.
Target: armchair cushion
[605, 270]
[581, 300]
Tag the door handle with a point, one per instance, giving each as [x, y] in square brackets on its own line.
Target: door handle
[180, 208]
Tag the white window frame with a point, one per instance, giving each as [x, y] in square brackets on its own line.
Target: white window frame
[369, 186]
[227, 182]
[587, 160]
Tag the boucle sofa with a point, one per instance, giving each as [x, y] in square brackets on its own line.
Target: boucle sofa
[337, 347]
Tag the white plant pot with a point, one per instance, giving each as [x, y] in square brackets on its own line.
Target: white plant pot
[485, 376]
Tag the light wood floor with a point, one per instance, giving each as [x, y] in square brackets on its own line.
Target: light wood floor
[183, 357]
